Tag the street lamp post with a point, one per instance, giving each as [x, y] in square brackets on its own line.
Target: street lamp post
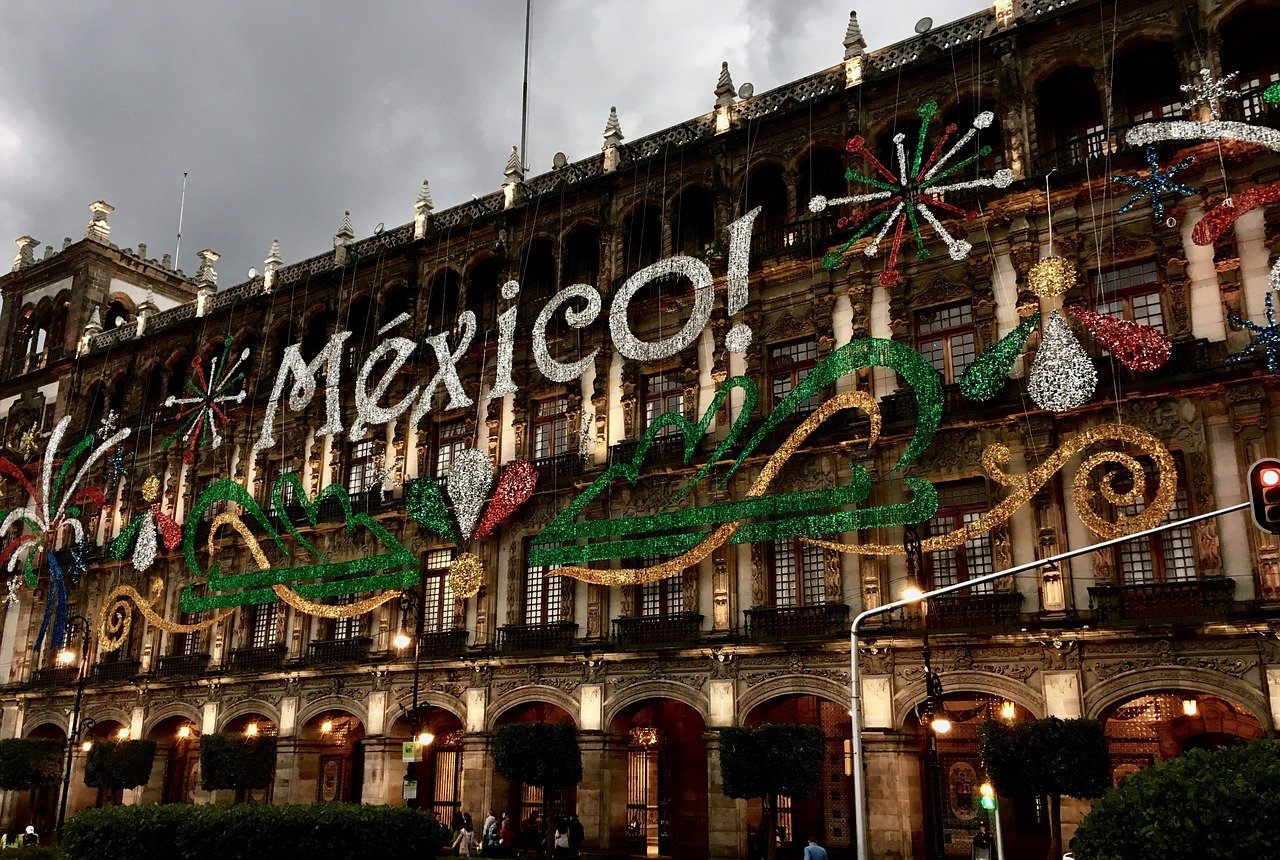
[77, 624]
[415, 603]
[934, 715]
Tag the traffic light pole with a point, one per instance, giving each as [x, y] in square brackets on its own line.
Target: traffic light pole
[855, 713]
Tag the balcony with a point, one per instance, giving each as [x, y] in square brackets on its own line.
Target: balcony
[657, 630]
[975, 611]
[1107, 148]
[443, 644]
[820, 621]
[524, 638]
[665, 450]
[337, 652]
[560, 467]
[182, 665]
[115, 672]
[268, 659]
[1163, 601]
[55, 676]
[807, 236]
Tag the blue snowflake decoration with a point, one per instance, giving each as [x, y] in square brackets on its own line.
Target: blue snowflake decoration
[1266, 339]
[1156, 185]
[116, 468]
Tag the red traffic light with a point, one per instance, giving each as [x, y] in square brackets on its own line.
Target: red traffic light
[1264, 494]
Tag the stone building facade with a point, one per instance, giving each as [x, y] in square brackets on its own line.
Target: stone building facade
[1172, 641]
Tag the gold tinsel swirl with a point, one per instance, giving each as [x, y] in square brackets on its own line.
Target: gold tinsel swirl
[466, 575]
[1023, 487]
[718, 538]
[1051, 277]
[115, 619]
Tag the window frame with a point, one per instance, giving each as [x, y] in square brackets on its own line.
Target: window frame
[795, 369]
[452, 438]
[1118, 301]
[360, 456]
[540, 610]
[552, 423]
[436, 591]
[956, 515]
[806, 581]
[652, 395]
[946, 335]
[1156, 548]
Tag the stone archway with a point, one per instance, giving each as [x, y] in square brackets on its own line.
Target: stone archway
[523, 804]
[328, 756]
[175, 774]
[439, 770]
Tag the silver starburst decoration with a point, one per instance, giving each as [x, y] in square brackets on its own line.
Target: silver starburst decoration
[108, 425]
[1210, 91]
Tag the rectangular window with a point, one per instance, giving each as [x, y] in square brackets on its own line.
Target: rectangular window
[1132, 293]
[348, 627]
[788, 364]
[945, 337]
[663, 393]
[664, 597]
[1165, 557]
[451, 440]
[360, 471]
[543, 595]
[550, 427]
[799, 574]
[960, 504]
[1251, 91]
[438, 605]
[262, 628]
[288, 491]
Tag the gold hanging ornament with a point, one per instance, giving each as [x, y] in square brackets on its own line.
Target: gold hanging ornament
[466, 575]
[1052, 277]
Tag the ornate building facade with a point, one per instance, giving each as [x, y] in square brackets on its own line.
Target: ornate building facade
[1170, 640]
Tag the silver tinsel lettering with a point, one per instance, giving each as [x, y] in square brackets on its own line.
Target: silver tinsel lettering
[1062, 376]
[558, 371]
[739, 336]
[304, 388]
[470, 477]
[638, 350]
[502, 384]
[368, 412]
[448, 369]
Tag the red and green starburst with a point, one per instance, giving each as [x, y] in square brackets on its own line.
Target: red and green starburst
[201, 415]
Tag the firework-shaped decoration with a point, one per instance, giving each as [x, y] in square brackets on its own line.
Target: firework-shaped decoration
[1062, 375]
[1156, 184]
[201, 414]
[115, 466]
[911, 195]
[57, 503]
[147, 531]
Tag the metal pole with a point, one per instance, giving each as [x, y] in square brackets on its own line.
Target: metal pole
[411, 769]
[73, 726]
[524, 98]
[859, 778]
[999, 829]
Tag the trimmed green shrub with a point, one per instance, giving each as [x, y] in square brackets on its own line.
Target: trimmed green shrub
[26, 763]
[119, 764]
[32, 852]
[236, 762]
[1223, 805]
[286, 832]
[1048, 758]
[545, 755]
[770, 760]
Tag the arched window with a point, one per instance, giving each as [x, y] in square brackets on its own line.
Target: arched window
[1070, 127]
[482, 292]
[1146, 84]
[580, 256]
[442, 301]
[117, 315]
[641, 238]
[821, 173]
[1248, 47]
[693, 222]
[538, 270]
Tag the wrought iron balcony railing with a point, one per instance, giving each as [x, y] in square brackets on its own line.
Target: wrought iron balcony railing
[334, 652]
[443, 644]
[55, 676]
[115, 671]
[556, 636]
[663, 451]
[975, 611]
[657, 630]
[267, 659]
[182, 665]
[1163, 601]
[819, 621]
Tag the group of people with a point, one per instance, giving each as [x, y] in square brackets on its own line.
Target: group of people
[498, 836]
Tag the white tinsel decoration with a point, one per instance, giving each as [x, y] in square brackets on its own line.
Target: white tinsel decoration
[448, 369]
[503, 384]
[638, 350]
[739, 336]
[470, 477]
[304, 388]
[1062, 375]
[558, 371]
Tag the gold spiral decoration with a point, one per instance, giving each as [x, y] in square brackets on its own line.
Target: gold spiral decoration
[718, 538]
[1022, 487]
[115, 619]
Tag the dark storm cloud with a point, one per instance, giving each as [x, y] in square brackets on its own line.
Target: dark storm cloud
[287, 113]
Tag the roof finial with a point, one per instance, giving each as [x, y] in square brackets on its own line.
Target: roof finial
[346, 232]
[424, 198]
[513, 171]
[612, 129]
[98, 227]
[725, 90]
[854, 44]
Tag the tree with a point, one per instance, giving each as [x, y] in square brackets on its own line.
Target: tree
[770, 760]
[1048, 758]
[544, 755]
[1220, 804]
[119, 764]
[237, 763]
[27, 763]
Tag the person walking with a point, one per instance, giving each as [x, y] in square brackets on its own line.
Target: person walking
[576, 834]
[984, 847]
[465, 842]
[814, 851]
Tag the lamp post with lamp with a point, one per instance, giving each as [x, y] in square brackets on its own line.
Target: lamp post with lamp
[411, 602]
[77, 625]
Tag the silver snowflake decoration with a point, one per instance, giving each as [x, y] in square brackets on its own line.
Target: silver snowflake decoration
[108, 425]
[1210, 91]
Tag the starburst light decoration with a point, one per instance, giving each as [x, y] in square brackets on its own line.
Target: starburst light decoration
[912, 194]
[201, 414]
[1210, 91]
[56, 506]
[1156, 184]
[1266, 340]
[108, 425]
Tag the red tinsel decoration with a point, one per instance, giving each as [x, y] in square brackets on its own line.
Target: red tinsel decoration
[515, 485]
[1138, 347]
[170, 531]
[1220, 218]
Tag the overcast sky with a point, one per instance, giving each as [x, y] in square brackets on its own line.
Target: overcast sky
[285, 113]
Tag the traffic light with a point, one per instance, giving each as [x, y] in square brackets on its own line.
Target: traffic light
[1264, 494]
[988, 792]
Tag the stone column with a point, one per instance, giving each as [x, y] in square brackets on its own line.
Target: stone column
[895, 809]
[289, 776]
[594, 793]
[477, 773]
[384, 772]
[726, 828]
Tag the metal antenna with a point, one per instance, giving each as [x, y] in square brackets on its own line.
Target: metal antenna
[524, 106]
[181, 207]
